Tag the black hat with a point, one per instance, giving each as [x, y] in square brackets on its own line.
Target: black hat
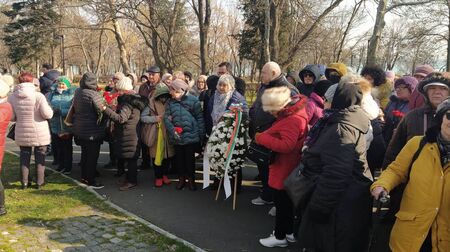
[153, 69]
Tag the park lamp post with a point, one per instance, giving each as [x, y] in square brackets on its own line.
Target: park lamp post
[63, 58]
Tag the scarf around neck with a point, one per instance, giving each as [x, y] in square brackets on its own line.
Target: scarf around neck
[220, 105]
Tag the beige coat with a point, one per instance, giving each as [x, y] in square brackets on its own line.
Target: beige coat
[31, 112]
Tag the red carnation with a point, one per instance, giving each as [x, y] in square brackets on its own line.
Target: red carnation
[397, 113]
[178, 130]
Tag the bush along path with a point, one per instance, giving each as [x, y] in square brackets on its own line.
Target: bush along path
[62, 216]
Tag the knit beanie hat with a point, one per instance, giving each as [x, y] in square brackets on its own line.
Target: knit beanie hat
[274, 99]
[64, 80]
[124, 84]
[434, 79]
[8, 79]
[179, 85]
[4, 89]
[409, 81]
[441, 110]
[346, 95]
[423, 70]
[321, 87]
[119, 76]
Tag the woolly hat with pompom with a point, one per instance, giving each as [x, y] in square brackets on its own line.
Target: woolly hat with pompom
[275, 99]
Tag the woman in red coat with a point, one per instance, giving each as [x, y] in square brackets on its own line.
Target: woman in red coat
[285, 137]
[5, 116]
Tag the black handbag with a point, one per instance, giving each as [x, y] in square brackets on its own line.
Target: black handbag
[299, 187]
[259, 154]
[12, 132]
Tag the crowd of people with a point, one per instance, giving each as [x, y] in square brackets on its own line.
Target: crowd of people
[339, 129]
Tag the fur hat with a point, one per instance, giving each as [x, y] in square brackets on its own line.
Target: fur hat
[179, 85]
[4, 89]
[423, 70]
[437, 79]
[409, 81]
[124, 84]
[275, 99]
[341, 68]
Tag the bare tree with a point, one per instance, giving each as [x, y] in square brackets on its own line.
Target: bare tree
[202, 9]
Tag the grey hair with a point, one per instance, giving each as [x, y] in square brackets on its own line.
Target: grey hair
[227, 79]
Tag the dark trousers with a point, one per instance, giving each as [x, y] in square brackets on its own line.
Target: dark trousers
[39, 160]
[267, 192]
[112, 152]
[284, 219]
[131, 164]
[90, 150]
[427, 245]
[65, 151]
[2, 195]
[185, 160]
[54, 146]
[162, 170]
[146, 160]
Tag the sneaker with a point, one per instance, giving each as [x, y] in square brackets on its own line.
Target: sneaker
[96, 186]
[272, 241]
[260, 202]
[158, 182]
[291, 238]
[273, 211]
[166, 180]
[2, 211]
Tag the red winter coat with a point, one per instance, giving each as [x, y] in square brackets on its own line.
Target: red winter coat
[285, 137]
[5, 116]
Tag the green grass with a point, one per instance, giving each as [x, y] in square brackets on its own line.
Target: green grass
[62, 199]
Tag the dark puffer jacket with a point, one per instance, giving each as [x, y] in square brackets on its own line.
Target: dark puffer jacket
[303, 88]
[186, 114]
[259, 119]
[126, 119]
[87, 105]
[47, 80]
[338, 215]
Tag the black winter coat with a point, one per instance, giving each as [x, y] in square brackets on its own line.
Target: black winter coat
[88, 123]
[126, 119]
[338, 214]
[259, 119]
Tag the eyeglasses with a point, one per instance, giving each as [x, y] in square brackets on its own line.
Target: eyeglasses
[401, 87]
[308, 75]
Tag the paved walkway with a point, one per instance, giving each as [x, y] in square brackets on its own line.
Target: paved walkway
[193, 216]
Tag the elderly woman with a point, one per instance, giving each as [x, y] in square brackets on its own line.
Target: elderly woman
[398, 105]
[5, 116]
[337, 214]
[167, 79]
[60, 99]
[223, 97]
[199, 87]
[285, 137]
[423, 220]
[31, 112]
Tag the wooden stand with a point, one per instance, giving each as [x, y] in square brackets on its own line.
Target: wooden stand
[234, 191]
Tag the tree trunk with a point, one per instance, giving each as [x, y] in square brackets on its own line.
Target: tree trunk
[275, 29]
[377, 31]
[203, 13]
[267, 31]
[122, 48]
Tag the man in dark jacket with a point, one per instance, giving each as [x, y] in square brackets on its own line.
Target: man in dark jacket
[48, 79]
[435, 88]
[89, 126]
[309, 76]
[225, 68]
[260, 120]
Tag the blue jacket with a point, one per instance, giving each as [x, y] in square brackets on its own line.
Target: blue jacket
[60, 104]
[187, 114]
[236, 98]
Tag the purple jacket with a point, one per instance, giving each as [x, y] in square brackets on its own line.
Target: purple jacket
[314, 108]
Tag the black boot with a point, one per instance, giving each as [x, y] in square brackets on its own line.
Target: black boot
[181, 183]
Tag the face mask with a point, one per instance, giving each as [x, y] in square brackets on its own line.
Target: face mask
[59, 90]
[334, 79]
